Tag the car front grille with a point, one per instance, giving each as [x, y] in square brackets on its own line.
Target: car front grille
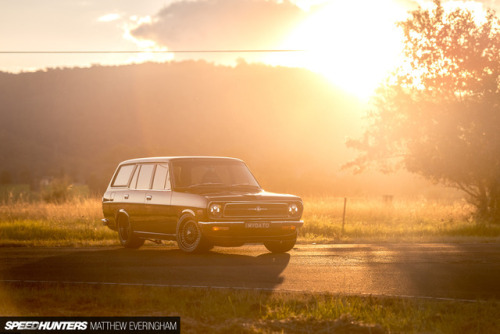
[256, 210]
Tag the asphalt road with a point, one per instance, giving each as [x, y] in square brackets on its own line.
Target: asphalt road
[461, 271]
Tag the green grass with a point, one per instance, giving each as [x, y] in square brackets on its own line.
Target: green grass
[367, 220]
[234, 311]
[40, 233]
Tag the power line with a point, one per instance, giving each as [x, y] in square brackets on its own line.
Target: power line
[139, 51]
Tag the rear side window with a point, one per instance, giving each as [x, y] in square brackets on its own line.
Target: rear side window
[123, 176]
[144, 180]
[133, 184]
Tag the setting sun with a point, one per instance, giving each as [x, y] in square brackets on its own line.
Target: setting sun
[347, 43]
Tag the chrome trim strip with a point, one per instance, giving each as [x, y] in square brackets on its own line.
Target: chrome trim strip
[261, 213]
[256, 202]
[156, 233]
[296, 222]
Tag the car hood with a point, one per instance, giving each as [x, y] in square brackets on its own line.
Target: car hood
[239, 196]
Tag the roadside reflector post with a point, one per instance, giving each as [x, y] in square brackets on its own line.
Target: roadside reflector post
[343, 215]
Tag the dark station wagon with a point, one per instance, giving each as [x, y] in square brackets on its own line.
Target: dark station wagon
[200, 202]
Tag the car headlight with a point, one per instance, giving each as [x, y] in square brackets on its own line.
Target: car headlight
[215, 210]
[293, 209]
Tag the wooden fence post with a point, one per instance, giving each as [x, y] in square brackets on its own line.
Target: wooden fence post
[343, 215]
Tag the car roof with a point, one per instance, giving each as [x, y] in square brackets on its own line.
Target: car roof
[167, 159]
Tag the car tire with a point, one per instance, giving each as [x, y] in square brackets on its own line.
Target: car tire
[128, 238]
[280, 246]
[190, 238]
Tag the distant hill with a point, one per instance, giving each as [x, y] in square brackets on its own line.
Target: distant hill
[288, 124]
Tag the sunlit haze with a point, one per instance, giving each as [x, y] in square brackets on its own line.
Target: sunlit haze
[353, 43]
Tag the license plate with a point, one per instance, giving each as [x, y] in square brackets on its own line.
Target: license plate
[257, 225]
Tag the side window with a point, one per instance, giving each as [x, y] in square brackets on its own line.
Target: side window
[161, 180]
[181, 177]
[133, 183]
[123, 176]
[145, 174]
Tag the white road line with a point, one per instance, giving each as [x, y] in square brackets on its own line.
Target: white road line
[242, 288]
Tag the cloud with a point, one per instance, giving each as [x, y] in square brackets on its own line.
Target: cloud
[221, 24]
[109, 17]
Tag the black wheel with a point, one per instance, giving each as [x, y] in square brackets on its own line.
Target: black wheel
[126, 234]
[280, 246]
[189, 237]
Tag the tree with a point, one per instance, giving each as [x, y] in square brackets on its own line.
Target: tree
[438, 114]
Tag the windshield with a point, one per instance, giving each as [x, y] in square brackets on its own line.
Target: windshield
[200, 173]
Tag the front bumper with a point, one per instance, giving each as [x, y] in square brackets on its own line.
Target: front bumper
[223, 232]
[108, 223]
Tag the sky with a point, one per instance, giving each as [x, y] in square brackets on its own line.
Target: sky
[353, 43]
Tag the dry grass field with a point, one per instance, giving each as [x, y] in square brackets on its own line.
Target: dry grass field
[404, 220]
[74, 223]
[77, 222]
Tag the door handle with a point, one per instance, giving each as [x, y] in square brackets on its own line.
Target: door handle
[149, 197]
[125, 196]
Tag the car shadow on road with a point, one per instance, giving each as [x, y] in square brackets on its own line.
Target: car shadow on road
[155, 266]
[29, 275]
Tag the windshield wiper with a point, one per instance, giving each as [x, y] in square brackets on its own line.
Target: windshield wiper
[208, 184]
[244, 185]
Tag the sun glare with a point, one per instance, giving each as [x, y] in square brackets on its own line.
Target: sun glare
[152, 51]
[353, 44]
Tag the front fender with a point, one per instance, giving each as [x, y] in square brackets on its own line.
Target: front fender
[189, 214]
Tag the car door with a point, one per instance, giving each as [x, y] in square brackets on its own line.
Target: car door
[158, 201]
[116, 197]
[138, 211]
